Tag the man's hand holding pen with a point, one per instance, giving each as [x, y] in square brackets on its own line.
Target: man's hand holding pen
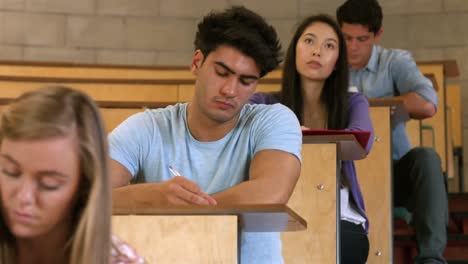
[182, 191]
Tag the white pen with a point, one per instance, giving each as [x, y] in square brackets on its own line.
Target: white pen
[211, 200]
[174, 171]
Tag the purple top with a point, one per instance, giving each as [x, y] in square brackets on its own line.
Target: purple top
[359, 120]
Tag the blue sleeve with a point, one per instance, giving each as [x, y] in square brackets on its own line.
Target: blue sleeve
[359, 116]
[129, 142]
[408, 78]
[278, 128]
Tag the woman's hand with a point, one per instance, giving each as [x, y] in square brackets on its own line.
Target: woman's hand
[121, 253]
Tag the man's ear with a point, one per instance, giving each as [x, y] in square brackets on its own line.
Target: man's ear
[197, 61]
[378, 34]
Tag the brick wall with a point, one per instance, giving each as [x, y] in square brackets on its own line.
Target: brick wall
[160, 32]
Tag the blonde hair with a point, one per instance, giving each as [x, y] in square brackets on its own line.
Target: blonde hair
[59, 111]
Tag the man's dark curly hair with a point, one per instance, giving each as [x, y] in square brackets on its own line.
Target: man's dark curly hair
[364, 12]
[243, 30]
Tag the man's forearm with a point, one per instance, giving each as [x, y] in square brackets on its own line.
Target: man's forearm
[255, 192]
[273, 175]
[249, 192]
[137, 195]
[417, 107]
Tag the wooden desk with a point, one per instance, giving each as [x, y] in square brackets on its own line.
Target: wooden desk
[455, 137]
[134, 84]
[348, 150]
[375, 178]
[198, 234]
[102, 71]
[455, 110]
[441, 70]
[418, 135]
[413, 127]
[314, 198]
[114, 113]
[395, 105]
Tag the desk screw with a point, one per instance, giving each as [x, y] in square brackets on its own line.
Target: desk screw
[320, 187]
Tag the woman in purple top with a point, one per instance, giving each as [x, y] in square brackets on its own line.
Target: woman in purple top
[315, 87]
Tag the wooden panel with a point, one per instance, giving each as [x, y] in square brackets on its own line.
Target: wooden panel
[268, 88]
[90, 72]
[455, 110]
[114, 116]
[185, 93]
[252, 217]
[413, 128]
[276, 74]
[428, 137]
[450, 159]
[438, 120]
[10, 89]
[101, 91]
[375, 179]
[454, 126]
[316, 244]
[84, 71]
[180, 239]
[450, 67]
[126, 92]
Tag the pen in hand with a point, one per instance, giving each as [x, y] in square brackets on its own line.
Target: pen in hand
[210, 200]
[174, 171]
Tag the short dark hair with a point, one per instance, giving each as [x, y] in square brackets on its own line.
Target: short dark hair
[335, 91]
[243, 30]
[364, 12]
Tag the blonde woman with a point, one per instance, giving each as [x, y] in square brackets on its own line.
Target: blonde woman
[54, 188]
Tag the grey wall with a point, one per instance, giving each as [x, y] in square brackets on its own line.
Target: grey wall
[160, 32]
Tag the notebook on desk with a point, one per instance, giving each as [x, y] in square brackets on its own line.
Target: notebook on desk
[362, 137]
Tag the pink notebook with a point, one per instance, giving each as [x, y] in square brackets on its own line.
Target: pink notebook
[361, 136]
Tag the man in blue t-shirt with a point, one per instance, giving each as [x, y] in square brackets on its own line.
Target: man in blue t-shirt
[225, 151]
[379, 73]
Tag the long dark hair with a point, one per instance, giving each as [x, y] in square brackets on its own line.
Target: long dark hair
[335, 91]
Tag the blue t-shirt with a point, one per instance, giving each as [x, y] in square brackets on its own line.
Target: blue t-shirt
[393, 72]
[149, 142]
